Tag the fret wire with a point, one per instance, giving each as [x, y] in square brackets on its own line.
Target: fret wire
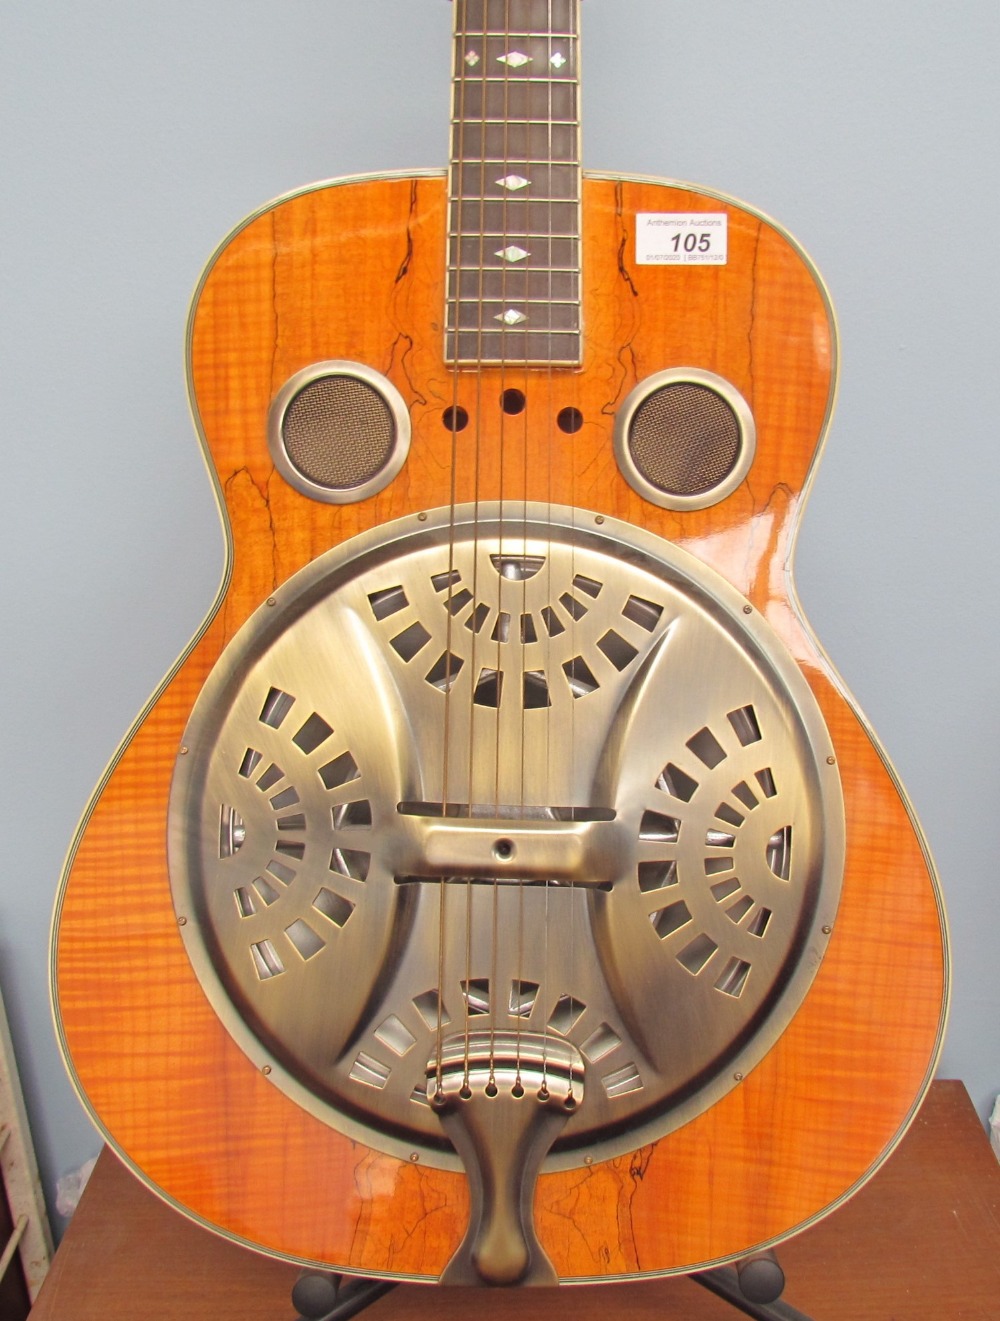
[522, 36]
[560, 169]
[542, 123]
[522, 266]
[536, 358]
[526, 329]
[527, 79]
[506, 101]
[513, 238]
[469, 349]
[566, 300]
[460, 161]
[521, 330]
[493, 235]
[538, 302]
[517, 201]
[562, 338]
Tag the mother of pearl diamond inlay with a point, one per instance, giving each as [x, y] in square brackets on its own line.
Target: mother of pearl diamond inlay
[558, 59]
[513, 253]
[512, 317]
[516, 59]
[513, 182]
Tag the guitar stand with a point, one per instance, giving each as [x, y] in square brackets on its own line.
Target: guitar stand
[753, 1287]
[324, 1296]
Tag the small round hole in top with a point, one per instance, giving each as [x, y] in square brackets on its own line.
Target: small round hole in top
[570, 420]
[455, 418]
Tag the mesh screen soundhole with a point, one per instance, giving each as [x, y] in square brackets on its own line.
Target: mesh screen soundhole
[338, 432]
[685, 439]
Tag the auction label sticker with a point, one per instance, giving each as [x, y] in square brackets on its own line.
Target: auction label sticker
[681, 238]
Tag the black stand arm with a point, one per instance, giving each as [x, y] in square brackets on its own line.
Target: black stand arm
[752, 1287]
[321, 1296]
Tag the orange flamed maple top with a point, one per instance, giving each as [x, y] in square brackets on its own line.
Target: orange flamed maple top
[356, 271]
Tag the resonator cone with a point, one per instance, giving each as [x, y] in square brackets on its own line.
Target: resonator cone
[542, 777]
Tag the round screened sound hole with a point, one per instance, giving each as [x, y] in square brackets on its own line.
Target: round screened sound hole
[685, 439]
[338, 432]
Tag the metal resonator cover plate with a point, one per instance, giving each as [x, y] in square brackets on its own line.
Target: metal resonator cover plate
[491, 776]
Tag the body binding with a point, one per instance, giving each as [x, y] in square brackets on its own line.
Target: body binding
[355, 271]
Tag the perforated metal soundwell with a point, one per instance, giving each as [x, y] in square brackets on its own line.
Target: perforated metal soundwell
[338, 431]
[468, 781]
[684, 438]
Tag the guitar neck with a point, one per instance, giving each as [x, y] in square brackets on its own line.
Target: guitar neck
[514, 258]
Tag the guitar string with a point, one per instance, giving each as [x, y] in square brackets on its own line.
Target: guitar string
[502, 625]
[547, 395]
[517, 993]
[504, 629]
[454, 243]
[459, 171]
[522, 640]
[519, 640]
[578, 264]
[477, 479]
[550, 391]
[550, 376]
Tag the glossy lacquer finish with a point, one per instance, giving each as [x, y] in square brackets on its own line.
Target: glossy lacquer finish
[356, 271]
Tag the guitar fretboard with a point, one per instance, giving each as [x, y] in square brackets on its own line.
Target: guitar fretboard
[514, 210]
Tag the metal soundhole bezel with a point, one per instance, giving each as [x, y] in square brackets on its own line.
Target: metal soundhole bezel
[290, 391]
[729, 394]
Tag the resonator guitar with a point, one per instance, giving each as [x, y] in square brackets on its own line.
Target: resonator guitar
[503, 888]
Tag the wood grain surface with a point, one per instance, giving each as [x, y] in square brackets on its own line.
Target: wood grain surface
[921, 1240]
[356, 271]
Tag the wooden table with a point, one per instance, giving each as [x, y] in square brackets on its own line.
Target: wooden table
[921, 1241]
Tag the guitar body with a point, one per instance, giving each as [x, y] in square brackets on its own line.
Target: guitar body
[355, 271]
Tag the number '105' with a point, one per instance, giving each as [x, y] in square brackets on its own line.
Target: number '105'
[691, 242]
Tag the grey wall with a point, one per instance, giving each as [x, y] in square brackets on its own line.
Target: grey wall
[133, 136]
